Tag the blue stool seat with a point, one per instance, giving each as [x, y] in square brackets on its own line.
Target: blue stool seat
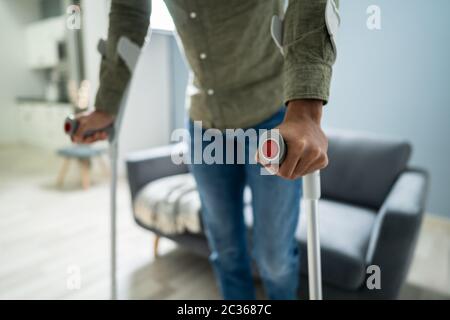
[81, 151]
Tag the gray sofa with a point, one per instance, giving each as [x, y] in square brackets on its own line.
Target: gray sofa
[370, 213]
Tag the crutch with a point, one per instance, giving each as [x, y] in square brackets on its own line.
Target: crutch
[272, 150]
[129, 52]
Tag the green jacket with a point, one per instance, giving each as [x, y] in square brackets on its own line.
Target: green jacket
[240, 77]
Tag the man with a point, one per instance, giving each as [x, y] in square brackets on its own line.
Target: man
[241, 80]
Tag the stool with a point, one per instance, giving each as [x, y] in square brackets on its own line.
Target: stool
[84, 155]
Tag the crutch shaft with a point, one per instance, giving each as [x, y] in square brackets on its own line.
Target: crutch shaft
[272, 150]
[313, 244]
[129, 52]
[311, 196]
[113, 222]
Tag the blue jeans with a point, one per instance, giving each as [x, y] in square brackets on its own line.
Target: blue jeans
[275, 203]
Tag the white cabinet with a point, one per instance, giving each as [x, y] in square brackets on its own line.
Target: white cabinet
[42, 42]
[42, 124]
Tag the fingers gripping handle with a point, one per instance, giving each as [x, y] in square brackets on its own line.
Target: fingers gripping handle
[272, 150]
[71, 125]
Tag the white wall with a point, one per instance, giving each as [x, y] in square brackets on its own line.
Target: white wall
[15, 78]
[94, 26]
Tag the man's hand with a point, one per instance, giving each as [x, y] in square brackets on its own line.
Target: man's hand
[92, 121]
[306, 143]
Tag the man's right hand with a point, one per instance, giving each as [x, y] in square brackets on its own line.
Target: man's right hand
[92, 121]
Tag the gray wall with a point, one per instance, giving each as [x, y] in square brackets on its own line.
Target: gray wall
[392, 81]
[395, 82]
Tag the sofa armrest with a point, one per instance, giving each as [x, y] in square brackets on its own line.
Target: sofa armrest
[148, 165]
[394, 235]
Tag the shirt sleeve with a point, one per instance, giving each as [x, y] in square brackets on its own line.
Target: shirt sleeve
[130, 18]
[308, 50]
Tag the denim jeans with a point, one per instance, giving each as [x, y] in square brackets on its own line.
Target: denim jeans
[275, 203]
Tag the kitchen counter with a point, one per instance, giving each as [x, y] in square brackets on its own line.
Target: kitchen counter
[40, 123]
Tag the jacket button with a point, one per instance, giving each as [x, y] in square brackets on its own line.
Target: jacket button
[203, 56]
[210, 92]
[193, 15]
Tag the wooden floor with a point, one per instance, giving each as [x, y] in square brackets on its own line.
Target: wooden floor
[54, 242]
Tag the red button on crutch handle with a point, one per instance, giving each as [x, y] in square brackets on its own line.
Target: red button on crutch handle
[71, 125]
[272, 148]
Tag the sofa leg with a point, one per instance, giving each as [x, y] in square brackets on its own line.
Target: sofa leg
[155, 246]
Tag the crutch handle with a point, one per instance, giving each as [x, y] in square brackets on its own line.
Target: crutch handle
[71, 125]
[272, 150]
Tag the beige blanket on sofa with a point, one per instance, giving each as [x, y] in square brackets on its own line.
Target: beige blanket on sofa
[170, 205]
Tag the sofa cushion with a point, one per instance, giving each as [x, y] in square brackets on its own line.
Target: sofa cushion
[344, 237]
[362, 167]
